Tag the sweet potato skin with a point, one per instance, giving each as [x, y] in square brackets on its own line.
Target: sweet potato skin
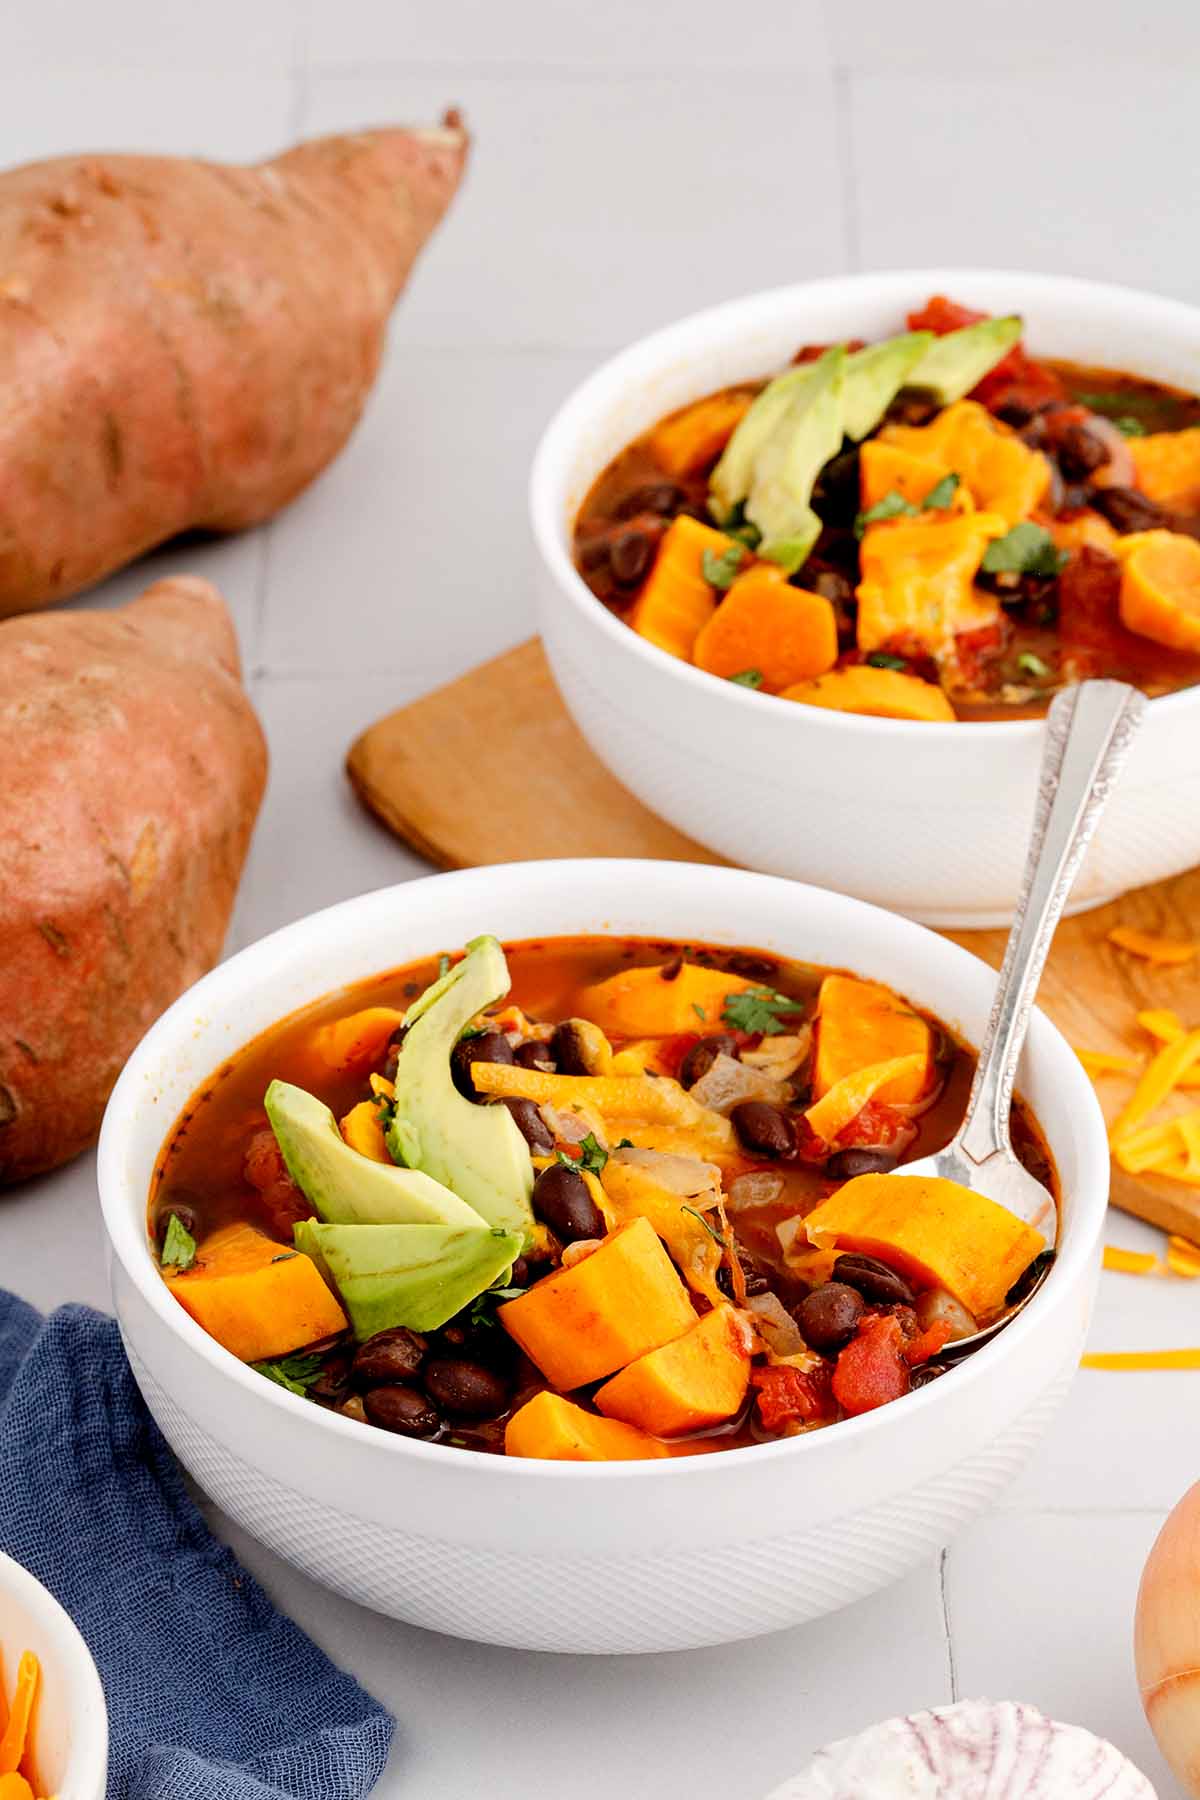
[185, 344]
[134, 767]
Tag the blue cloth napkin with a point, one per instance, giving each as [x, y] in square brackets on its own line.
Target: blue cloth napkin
[212, 1694]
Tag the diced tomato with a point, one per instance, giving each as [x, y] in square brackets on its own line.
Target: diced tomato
[788, 1396]
[1016, 378]
[672, 1050]
[809, 1147]
[1089, 590]
[871, 1370]
[281, 1200]
[973, 650]
[879, 1125]
[942, 315]
[927, 1343]
[810, 352]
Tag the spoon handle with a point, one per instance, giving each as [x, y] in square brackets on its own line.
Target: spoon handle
[1089, 731]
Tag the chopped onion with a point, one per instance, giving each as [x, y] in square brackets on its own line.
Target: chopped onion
[936, 1306]
[726, 1082]
[776, 1324]
[568, 1125]
[576, 1252]
[759, 1188]
[782, 1055]
[696, 1181]
[972, 1751]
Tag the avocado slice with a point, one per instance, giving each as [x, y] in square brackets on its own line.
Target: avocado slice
[875, 375]
[787, 466]
[476, 1151]
[346, 1188]
[414, 1275]
[953, 364]
[733, 477]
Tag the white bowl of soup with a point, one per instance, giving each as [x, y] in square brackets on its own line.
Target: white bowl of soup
[921, 800]
[65, 1741]
[568, 1510]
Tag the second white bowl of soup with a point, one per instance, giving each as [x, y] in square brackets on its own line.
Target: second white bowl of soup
[928, 818]
[653, 1553]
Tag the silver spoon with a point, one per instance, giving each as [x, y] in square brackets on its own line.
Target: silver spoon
[1089, 731]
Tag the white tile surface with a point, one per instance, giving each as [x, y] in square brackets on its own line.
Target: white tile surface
[632, 163]
[596, 209]
[1034, 170]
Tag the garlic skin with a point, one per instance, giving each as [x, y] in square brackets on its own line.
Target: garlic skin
[1166, 1640]
[975, 1750]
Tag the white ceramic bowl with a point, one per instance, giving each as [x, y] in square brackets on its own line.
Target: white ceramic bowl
[624, 1556]
[71, 1723]
[931, 820]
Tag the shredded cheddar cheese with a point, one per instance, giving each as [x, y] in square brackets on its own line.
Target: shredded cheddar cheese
[1163, 1074]
[15, 1729]
[1103, 1062]
[1142, 1359]
[1183, 1258]
[1130, 1262]
[1149, 947]
[843, 1102]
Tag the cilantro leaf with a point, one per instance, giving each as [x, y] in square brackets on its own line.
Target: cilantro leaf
[735, 524]
[757, 1010]
[483, 1307]
[711, 1229]
[699, 1012]
[751, 678]
[295, 1373]
[1027, 549]
[883, 659]
[1033, 665]
[941, 493]
[719, 571]
[179, 1246]
[892, 506]
[1128, 426]
[592, 1156]
[625, 1144]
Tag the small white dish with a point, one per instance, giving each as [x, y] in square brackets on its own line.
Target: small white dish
[70, 1735]
[632, 1556]
[929, 819]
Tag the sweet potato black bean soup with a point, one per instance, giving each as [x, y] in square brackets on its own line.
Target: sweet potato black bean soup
[933, 527]
[591, 1199]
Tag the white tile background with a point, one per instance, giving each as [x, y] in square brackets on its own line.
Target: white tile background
[632, 162]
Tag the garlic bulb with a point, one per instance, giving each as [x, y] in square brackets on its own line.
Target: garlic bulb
[975, 1750]
[1166, 1643]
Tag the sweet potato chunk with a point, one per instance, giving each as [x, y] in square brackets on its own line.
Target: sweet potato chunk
[786, 633]
[1160, 587]
[677, 599]
[363, 1132]
[690, 439]
[860, 1023]
[875, 693]
[255, 1296]
[918, 580]
[662, 1000]
[591, 1319]
[352, 1045]
[936, 1232]
[557, 1430]
[693, 1382]
[1003, 474]
[1168, 467]
[887, 469]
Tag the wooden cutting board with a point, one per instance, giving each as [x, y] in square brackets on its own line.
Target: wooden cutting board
[492, 769]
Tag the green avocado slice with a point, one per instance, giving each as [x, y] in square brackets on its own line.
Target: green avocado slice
[787, 466]
[476, 1151]
[955, 363]
[875, 375]
[733, 477]
[345, 1187]
[414, 1275]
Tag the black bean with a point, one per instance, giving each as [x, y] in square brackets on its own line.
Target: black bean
[703, 1054]
[593, 553]
[630, 554]
[1081, 450]
[569, 1050]
[402, 1409]
[754, 968]
[392, 1054]
[1025, 1284]
[562, 1199]
[176, 1209]
[829, 1316]
[485, 1046]
[926, 1373]
[874, 1280]
[531, 1125]
[392, 1355]
[334, 1379]
[1016, 413]
[754, 1273]
[535, 1055]
[912, 406]
[1128, 510]
[844, 1165]
[832, 585]
[763, 1129]
[467, 1390]
[520, 1275]
[664, 497]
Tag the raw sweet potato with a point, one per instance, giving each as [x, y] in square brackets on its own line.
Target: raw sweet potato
[184, 344]
[133, 770]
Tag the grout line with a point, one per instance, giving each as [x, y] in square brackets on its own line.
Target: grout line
[951, 1664]
[785, 77]
[843, 128]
